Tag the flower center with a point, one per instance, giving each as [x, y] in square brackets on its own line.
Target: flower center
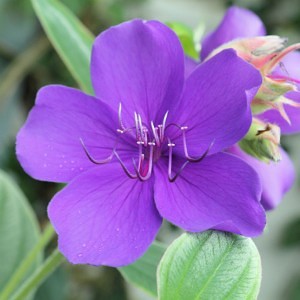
[151, 142]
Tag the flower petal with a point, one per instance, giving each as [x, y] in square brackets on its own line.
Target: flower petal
[215, 105]
[273, 116]
[221, 192]
[104, 218]
[237, 23]
[189, 66]
[140, 64]
[48, 145]
[290, 66]
[276, 178]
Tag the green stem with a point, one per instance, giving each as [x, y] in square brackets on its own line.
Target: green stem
[39, 276]
[20, 273]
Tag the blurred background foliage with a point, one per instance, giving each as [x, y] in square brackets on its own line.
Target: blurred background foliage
[28, 62]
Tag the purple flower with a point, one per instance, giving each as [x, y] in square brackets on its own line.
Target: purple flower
[277, 178]
[146, 147]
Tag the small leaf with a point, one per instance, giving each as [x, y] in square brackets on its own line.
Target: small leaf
[69, 36]
[211, 265]
[19, 230]
[186, 37]
[143, 272]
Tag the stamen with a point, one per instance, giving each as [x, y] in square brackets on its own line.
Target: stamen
[127, 172]
[141, 155]
[93, 160]
[164, 125]
[145, 132]
[138, 135]
[189, 158]
[155, 133]
[120, 118]
[172, 179]
[149, 171]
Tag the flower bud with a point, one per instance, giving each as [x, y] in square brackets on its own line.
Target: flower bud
[262, 141]
[265, 53]
[257, 50]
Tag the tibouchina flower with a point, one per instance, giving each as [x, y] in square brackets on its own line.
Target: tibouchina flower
[239, 23]
[146, 147]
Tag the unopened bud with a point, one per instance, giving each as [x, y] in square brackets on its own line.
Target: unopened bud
[262, 141]
[256, 50]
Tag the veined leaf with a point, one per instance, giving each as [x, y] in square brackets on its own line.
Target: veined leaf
[212, 266]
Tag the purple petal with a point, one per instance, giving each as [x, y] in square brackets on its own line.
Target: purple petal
[237, 23]
[141, 65]
[276, 178]
[221, 192]
[189, 66]
[48, 145]
[290, 66]
[273, 116]
[104, 218]
[215, 105]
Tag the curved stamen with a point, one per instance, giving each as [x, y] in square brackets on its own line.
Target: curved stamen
[120, 118]
[172, 179]
[145, 136]
[137, 126]
[92, 159]
[186, 153]
[149, 171]
[141, 155]
[155, 133]
[127, 172]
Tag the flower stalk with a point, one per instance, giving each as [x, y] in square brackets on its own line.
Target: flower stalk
[21, 271]
[40, 275]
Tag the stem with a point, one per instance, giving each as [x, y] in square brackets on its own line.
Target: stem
[20, 273]
[39, 276]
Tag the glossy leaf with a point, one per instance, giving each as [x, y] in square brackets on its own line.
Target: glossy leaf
[69, 36]
[143, 272]
[19, 230]
[210, 265]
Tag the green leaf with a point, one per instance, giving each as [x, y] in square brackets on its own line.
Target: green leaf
[143, 272]
[211, 265]
[186, 37]
[69, 36]
[19, 230]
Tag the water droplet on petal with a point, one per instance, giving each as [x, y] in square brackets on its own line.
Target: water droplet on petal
[79, 254]
[60, 166]
[83, 245]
